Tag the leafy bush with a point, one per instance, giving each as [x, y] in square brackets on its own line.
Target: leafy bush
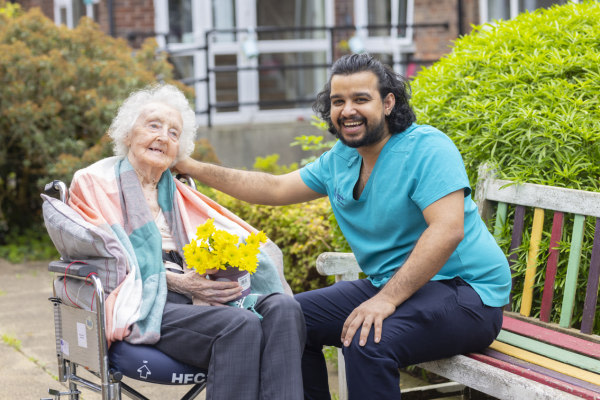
[300, 230]
[59, 90]
[33, 244]
[524, 95]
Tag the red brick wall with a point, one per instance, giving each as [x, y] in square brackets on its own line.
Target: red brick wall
[133, 19]
[430, 43]
[46, 6]
[433, 43]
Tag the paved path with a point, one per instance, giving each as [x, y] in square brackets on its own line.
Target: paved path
[28, 364]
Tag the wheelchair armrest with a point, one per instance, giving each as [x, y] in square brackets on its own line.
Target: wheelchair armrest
[73, 269]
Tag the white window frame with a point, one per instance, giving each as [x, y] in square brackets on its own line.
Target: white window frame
[68, 6]
[248, 81]
[394, 45]
[513, 10]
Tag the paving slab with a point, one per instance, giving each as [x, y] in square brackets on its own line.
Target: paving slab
[28, 365]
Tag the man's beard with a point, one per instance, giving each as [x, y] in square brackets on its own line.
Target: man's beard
[371, 136]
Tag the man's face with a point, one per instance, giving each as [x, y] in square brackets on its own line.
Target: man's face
[357, 109]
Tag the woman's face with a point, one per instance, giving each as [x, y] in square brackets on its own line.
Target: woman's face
[154, 139]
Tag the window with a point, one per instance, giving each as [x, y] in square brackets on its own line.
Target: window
[288, 15]
[223, 17]
[386, 14]
[180, 21]
[491, 10]
[286, 88]
[69, 12]
[384, 28]
[234, 84]
[533, 4]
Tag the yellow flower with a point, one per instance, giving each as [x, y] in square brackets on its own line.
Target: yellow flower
[222, 238]
[216, 249]
[256, 239]
[206, 229]
[262, 238]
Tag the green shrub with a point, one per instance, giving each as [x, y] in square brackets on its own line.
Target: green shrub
[33, 244]
[525, 95]
[301, 231]
[269, 164]
[59, 90]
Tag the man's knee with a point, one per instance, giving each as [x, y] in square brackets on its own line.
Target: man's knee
[370, 351]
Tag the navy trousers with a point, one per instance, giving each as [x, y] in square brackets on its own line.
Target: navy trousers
[442, 319]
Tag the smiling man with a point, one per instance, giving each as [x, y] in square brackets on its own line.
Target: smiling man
[436, 280]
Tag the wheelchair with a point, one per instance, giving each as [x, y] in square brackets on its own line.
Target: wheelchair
[81, 342]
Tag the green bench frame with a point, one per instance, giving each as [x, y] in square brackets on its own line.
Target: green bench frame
[532, 358]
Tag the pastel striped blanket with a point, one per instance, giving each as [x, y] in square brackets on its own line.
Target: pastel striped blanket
[108, 195]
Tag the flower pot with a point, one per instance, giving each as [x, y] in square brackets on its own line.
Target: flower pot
[235, 275]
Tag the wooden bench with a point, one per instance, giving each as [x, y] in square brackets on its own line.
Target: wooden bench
[532, 358]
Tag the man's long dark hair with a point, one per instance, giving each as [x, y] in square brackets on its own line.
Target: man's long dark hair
[402, 114]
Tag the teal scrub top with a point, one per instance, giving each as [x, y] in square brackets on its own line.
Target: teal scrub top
[415, 168]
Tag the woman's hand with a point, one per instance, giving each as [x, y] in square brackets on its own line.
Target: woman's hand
[202, 290]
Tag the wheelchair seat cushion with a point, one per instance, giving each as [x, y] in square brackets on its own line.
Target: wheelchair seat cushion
[146, 363]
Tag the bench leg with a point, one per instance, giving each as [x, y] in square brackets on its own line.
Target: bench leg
[343, 388]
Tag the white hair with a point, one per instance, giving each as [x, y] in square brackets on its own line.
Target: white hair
[130, 110]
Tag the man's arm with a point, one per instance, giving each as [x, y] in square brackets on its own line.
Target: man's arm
[251, 186]
[445, 220]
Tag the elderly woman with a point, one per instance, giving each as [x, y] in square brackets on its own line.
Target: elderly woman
[249, 355]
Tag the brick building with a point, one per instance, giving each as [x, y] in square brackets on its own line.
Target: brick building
[264, 60]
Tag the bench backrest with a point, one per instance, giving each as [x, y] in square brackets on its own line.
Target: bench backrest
[544, 200]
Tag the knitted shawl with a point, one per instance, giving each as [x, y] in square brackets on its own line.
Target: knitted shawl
[108, 194]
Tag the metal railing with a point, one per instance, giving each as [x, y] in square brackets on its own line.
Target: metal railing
[329, 30]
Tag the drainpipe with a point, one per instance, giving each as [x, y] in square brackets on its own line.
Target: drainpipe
[459, 11]
[111, 18]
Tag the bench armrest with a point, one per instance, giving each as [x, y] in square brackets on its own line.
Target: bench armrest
[342, 265]
[72, 269]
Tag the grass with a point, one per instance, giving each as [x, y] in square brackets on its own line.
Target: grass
[12, 341]
[15, 343]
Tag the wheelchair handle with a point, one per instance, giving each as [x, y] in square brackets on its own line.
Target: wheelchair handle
[186, 179]
[57, 187]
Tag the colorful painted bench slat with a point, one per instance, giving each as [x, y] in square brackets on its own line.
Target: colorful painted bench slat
[534, 247]
[572, 272]
[562, 361]
[572, 386]
[591, 293]
[550, 351]
[551, 267]
[550, 336]
[539, 369]
[546, 362]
